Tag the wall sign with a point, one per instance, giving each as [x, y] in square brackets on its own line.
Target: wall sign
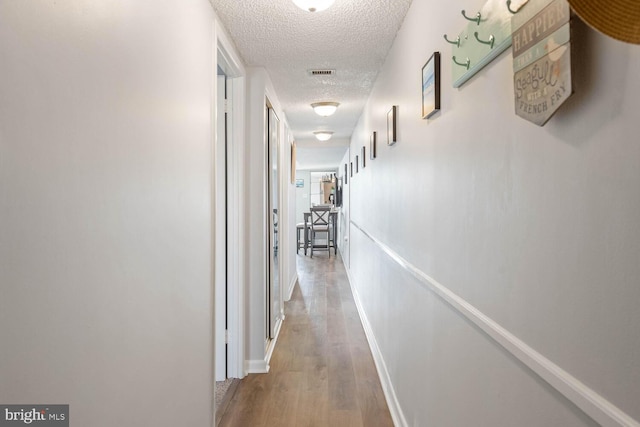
[541, 59]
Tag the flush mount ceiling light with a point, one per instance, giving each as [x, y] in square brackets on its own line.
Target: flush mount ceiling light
[325, 109]
[323, 135]
[313, 5]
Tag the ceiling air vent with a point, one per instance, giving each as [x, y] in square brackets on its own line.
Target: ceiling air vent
[322, 72]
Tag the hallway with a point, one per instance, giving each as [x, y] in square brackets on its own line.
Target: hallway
[322, 372]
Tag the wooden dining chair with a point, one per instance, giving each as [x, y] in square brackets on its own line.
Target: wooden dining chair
[320, 216]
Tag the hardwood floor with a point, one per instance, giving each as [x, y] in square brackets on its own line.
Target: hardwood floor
[322, 372]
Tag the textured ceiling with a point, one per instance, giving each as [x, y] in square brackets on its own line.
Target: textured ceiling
[352, 37]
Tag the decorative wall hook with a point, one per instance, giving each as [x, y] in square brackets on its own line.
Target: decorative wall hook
[456, 41]
[462, 64]
[476, 19]
[518, 9]
[490, 42]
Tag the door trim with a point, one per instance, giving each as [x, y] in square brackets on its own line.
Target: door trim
[227, 59]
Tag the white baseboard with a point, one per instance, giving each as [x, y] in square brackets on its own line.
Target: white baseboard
[262, 366]
[272, 344]
[387, 387]
[292, 285]
[256, 367]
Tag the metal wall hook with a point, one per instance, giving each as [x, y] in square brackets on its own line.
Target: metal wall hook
[456, 41]
[490, 42]
[462, 64]
[518, 9]
[476, 19]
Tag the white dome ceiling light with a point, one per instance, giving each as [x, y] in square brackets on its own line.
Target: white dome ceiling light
[323, 135]
[313, 5]
[325, 109]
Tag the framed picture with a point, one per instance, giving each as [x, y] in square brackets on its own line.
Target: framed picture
[357, 163]
[372, 146]
[431, 86]
[299, 183]
[345, 174]
[364, 163]
[391, 125]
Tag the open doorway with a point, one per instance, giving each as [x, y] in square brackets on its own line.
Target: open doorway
[314, 188]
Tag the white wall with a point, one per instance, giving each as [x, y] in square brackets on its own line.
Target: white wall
[315, 188]
[536, 228]
[105, 209]
[303, 195]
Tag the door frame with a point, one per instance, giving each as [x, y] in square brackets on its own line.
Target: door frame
[225, 57]
[274, 243]
[220, 213]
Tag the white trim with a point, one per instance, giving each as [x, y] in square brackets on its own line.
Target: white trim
[228, 49]
[212, 168]
[236, 171]
[262, 366]
[236, 228]
[590, 402]
[271, 344]
[292, 285]
[256, 367]
[383, 373]
[220, 231]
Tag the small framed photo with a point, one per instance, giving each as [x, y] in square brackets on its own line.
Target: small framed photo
[357, 163]
[391, 125]
[364, 158]
[372, 146]
[431, 86]
[299, 183]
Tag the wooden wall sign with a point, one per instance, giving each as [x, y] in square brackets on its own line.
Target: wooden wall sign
[541, 59]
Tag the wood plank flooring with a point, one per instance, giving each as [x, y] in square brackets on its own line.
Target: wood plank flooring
[322, 372]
